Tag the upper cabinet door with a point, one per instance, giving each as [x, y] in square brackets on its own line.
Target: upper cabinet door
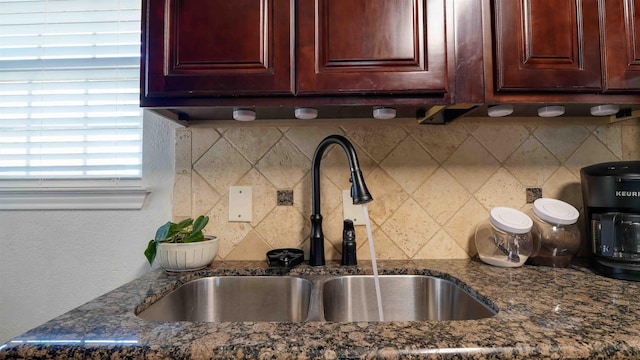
[217, 47]
[370, 46]
[547, 45]
[622, 45]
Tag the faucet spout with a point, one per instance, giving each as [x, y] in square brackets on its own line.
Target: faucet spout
[359, 192]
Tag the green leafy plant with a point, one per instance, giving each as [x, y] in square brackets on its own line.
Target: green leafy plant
[186, 231]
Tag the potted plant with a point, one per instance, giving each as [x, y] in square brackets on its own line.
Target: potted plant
[182, 246]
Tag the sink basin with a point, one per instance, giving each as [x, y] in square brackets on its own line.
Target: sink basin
[316, 298]
[235, 298]
[404, 298]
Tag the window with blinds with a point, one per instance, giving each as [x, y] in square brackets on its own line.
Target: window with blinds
[69, 89]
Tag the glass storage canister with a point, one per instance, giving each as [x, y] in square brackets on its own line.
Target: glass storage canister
[505, 239]
[556, 237]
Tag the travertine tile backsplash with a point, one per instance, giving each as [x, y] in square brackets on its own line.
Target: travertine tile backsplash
[431, 184]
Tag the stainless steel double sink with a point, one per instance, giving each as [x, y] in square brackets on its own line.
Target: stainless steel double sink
[317, 298]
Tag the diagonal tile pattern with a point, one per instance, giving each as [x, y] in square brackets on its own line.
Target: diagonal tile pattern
[410, 227]
[280, 234]
[471, 164]
[441, 196]
[431, 185]
[440, 141]
[284, 165]
[441, 246]
[387, 194]
[201, 141]
[222, 166]
[409, 165]
[501, 140]
[202, 195]
[308, 137]
[561, 141]
[610, 137]
[253, 142]
[590, 152]
[377, 141]
[531, 163]
[502, 189]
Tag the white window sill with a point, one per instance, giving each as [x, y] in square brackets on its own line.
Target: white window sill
[59, 198]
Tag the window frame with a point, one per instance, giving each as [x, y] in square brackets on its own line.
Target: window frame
[76, 194]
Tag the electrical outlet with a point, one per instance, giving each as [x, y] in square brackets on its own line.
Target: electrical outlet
[285, 197]
[240, 203]
[350, 211]
[533, 194]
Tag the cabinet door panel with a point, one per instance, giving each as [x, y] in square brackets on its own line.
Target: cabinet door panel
[217, 47]
[547, 45]
[370, 46]
[622, 45]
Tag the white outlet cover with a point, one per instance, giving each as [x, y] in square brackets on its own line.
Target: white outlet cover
[350, 211]
[240, 203]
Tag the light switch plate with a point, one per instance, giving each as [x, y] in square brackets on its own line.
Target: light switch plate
[350, 211]
[240, 203]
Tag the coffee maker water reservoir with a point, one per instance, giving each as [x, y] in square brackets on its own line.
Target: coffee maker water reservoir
[611, 196]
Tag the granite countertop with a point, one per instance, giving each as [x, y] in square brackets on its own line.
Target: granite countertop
[543, 313]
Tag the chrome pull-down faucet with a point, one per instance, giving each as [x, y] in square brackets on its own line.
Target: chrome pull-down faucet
[359, 193]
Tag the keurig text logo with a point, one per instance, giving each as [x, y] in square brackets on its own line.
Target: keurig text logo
[620, 193]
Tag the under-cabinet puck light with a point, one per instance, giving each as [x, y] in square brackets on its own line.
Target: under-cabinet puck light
[500, 110]
[551, 111]
[305, 113]
[383, 113]
[604, 110]
[244, 115]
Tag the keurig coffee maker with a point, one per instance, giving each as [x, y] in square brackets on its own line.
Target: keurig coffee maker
[611, 196]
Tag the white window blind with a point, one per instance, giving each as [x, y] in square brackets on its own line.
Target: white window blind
[69, 89]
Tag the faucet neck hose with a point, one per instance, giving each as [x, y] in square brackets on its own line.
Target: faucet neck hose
[359, 191]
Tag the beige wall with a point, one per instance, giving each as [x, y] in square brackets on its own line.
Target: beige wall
[431, 184]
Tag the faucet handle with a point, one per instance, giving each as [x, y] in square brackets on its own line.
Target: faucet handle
[349, 244]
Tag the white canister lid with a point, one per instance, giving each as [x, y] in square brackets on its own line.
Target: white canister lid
[510, 220]
[555, 211]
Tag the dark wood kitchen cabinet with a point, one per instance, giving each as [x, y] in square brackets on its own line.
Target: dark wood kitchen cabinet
[569, 46]
[547, 45]
[216, 47]
[265, 48]
[621, 48]
[370, 46]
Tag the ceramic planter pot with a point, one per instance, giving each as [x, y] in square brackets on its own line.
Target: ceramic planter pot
[189, 256]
